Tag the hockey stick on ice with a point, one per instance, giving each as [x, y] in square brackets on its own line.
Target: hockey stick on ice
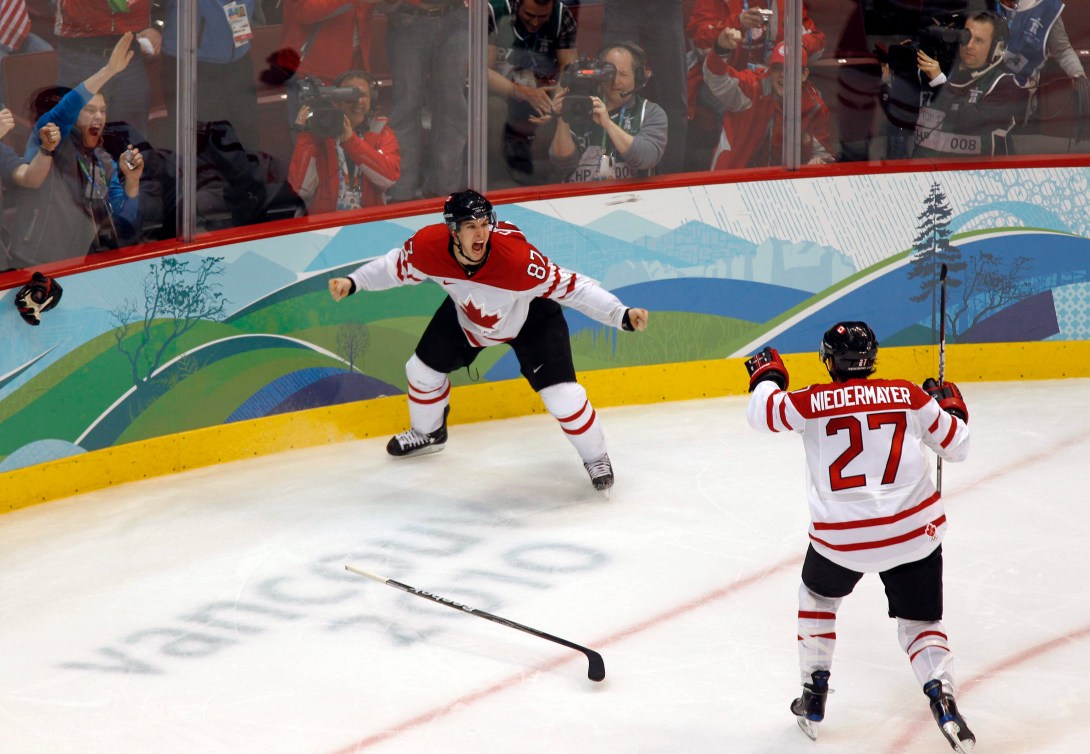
[942, 357]
[595, 672]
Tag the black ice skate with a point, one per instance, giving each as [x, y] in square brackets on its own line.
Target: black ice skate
[412, 442]
[601, 474]
[809, 708]
[950, 721]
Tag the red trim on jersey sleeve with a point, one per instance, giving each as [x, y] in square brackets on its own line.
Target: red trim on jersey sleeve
[768, 414]
[953, 431]
[783, 415]
[571, 285]
[555, 285]
[875, 544]
[934, 425]
[881, 521]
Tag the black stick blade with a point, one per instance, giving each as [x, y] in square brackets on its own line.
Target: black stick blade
[942, 272]
[597, 669]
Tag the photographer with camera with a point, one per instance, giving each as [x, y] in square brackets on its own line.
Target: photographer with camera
[606, 129]
[972, 109]
[345, 156]
[530, 43]
[752, 106]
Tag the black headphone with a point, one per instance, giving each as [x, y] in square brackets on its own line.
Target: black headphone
[372, 85]
[639, 61]
[1000, 34]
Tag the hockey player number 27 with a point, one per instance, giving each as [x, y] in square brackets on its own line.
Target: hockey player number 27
[854, 428]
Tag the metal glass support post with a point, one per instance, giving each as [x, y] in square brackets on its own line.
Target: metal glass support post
[477, 146]
[186, 127]
[792, 85]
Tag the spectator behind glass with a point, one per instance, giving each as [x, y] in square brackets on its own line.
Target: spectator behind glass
[82, 206]
[226, 90]
[324, 38]
[16, 36]
[710, 17]
[624, 136]
[352, 169]
[87, 31]
[15, 171]
[427, 47]
[659, 28]
[531, 42]
[972, 110]
[1037, 35]
[752, 101]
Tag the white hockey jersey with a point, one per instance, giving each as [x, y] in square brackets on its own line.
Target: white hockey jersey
[494, 301]
[873, 504]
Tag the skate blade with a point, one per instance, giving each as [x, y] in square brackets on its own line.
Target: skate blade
[952, 729]
[809, 727]
[427, 450]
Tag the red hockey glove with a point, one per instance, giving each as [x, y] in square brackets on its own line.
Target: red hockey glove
[949, 398]
[767, 365]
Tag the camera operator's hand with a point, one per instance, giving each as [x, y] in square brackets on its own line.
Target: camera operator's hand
[301, 117]
[600, 113]
[928, 65]
[346, 130]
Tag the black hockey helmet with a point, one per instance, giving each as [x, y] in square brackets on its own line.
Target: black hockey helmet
[466, 205]
[852, 346]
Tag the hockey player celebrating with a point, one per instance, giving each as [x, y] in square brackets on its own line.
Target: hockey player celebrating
[500, 289]
[873, 507]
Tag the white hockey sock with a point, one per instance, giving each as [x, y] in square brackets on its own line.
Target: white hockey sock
[817, 631]
[928, 651]
[429, 394]
[568, 404]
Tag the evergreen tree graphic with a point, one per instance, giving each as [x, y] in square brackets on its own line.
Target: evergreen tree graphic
[932, 249]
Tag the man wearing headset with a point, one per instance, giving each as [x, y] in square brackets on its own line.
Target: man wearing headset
[624, 135]
[355, 167]
[971, 110]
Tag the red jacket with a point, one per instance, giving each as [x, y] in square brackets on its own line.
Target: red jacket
[752, 134]
[326, 28]
[92, 18]
[315, 171]
[710, 17]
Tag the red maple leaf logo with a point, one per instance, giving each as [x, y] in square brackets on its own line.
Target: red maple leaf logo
[478, 317]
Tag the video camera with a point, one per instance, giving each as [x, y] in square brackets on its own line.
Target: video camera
[939, 40]
[584, 78]
[324, 120]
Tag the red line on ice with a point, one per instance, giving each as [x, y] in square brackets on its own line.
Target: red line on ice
[663, 617]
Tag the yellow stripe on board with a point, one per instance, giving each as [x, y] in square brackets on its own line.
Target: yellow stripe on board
[501, 400]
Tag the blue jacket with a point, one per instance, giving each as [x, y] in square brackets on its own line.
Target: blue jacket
[55, 221]
[215, 42]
